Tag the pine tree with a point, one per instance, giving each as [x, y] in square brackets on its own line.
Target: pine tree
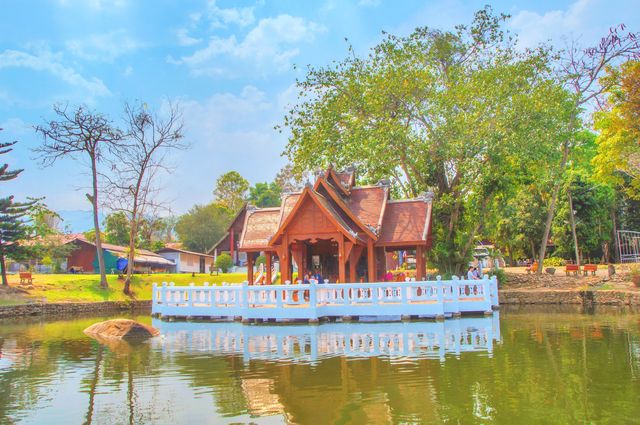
[13, 227]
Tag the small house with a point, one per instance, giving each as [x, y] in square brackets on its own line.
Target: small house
[188, 261]
[84, 259]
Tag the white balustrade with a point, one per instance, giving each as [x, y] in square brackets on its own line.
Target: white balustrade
[436, 298]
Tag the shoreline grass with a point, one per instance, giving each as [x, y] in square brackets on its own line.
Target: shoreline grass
[86, 287]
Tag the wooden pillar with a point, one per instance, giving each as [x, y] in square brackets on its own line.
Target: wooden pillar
[285, 261]
[250, 267]
[371, 262]
[420, 263]
[352, 266]
[268, 256]
[342, 274]
[232, 247]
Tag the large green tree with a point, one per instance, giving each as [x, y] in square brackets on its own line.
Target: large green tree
[231, 191]
[618, 157]
[14, 228]
[265, 194]
[463, 113]
[202, 226]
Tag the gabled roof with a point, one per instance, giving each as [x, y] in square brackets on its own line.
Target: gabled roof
[260, 225]
[345, 208]
[368, 204]
[325, 206]
[405, 222]
[360, 213]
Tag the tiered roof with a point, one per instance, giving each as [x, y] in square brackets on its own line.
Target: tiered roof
[361, 213]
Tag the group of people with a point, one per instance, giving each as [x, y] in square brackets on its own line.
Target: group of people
[473, 273]
[314, 277]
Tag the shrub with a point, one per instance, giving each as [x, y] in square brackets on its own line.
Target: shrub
[224, 262]
[261, 260]
[634, 272]
[554, 262]
[500, 274]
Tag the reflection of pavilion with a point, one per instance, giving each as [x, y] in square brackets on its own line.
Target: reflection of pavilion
[312, 343]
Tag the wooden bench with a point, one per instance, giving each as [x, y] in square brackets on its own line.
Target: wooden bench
[25, 277]
[593, 268]
[572, 268]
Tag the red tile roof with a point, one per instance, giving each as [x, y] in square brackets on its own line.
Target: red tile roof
[260, 225]
[404, 222]
[387, 222]
[367, 203]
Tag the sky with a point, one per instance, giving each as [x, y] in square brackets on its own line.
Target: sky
[231, 65]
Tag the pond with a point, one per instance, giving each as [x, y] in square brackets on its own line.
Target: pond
[530, 365]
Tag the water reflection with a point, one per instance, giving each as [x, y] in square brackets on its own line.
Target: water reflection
[311, 343]
[531, 367]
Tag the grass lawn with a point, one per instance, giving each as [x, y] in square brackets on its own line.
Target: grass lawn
[86, 287]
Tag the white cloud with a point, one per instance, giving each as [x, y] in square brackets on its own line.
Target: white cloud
[270, 44]
[221, 17]
[45, 60]
[226, 131]
[577, 20]
[184, 39]
[103, 47]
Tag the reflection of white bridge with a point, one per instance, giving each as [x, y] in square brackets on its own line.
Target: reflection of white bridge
[310, 343]
[437, 299]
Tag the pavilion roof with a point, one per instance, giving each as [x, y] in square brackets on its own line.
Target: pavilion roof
[361, 212]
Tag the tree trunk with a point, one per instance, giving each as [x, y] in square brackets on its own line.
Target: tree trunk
[552, 208]
[3, 266]
[94, 384]
[572, 222]
[131, 256]
[96, 225]
[615, 235]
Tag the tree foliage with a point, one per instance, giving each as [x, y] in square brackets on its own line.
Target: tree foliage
[462, 113]
[231, 191]
[201, 227]
[265, 194]
[618, 157]
[14, 228]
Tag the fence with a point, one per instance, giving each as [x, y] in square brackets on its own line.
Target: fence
[628, 246]
[437, 299]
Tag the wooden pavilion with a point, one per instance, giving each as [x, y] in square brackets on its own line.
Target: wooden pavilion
[337, 229]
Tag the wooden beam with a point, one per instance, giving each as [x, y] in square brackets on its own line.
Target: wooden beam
[420, 263]
[232, 247]
[354, 257]
[371, 262]
[250, 267]
[268, 256]
[342, 274]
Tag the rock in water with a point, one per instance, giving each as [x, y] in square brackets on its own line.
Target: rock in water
[121, 329]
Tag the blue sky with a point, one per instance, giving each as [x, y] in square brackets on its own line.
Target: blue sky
[230, 65]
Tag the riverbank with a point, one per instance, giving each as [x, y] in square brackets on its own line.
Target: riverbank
[65, 288]
[74, 308]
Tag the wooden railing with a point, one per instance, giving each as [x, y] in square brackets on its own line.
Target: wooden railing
[437, 298]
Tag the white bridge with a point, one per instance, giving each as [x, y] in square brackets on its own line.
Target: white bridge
[308, 343]
[385, 300]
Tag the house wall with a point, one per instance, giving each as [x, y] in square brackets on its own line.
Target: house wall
[175, 257]
[190, 263]
[83, 256]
